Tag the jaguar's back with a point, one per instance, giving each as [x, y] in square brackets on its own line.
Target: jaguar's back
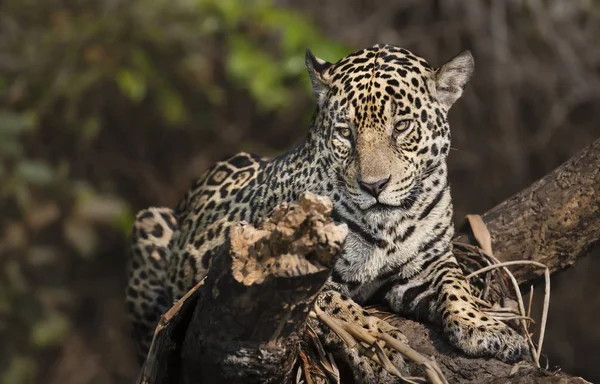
[377, 146]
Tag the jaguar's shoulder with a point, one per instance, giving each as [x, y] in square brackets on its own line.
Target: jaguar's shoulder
[221, 182]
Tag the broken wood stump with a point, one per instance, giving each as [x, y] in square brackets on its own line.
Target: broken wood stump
[248, 315]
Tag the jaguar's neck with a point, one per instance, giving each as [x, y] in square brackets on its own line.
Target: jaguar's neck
[297, 171]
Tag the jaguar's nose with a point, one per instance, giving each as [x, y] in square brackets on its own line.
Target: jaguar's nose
[374, 189]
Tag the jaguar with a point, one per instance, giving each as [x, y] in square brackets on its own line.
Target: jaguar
[377, 146]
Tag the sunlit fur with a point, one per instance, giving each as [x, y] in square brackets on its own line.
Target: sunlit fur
[375, 150]
[380, 113]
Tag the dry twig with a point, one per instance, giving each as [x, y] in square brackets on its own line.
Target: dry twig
[482, 235]
[353, 335]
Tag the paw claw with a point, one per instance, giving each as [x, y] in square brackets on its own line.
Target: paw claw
[491, 339]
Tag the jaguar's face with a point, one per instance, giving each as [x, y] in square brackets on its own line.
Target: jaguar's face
[383, 113]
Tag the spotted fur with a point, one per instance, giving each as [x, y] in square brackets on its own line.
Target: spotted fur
[377, 146]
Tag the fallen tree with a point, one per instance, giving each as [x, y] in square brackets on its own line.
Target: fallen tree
[555, 221]
[266, 279]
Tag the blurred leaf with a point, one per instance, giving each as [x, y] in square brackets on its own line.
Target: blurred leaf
[124, 221]
[91, 128]
[10, 147]
[230, 10]
[210, 24]
[171, 106]
[294, 65]
[14, 276]
[34, 172]
[42, 215]
[21, 192]
[20, 370]
[81, 235]
[40, 256]
[3, 84]
[50, 330]
[142, 62]
[299, 34]
[12, 123]
[132, 84]
[249, 64]
[215, 94]
[93, 207]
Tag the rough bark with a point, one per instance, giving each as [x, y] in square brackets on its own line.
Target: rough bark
[467, 370]
[554, 221]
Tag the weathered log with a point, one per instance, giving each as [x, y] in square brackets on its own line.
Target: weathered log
[458, 368]
[250, 313]
[555, 221]
[255, 300]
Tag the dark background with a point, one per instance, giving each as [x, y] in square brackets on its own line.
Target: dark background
[110, 106]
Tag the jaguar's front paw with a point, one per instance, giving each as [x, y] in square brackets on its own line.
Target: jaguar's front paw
[364, 370]
[477, 334]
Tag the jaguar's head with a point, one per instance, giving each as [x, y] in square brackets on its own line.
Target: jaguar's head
[382, 114]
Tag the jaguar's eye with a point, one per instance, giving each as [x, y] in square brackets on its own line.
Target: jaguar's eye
[403, 126]
[343, 131]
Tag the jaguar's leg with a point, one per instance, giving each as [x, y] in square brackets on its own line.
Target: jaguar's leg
[147, 266]
[363, 368]
[442, 294]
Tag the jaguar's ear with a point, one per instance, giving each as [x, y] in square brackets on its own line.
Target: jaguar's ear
[317, 69]
[451, 78]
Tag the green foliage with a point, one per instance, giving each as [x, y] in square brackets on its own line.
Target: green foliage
[80, 49]
[263, 73]
[66, 59]
[49, 330]
[20, 370]
[67, 69]
[132, 84]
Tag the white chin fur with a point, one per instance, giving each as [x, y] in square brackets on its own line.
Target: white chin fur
[367, 203]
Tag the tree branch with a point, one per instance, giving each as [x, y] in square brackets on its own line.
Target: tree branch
[555, 221]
